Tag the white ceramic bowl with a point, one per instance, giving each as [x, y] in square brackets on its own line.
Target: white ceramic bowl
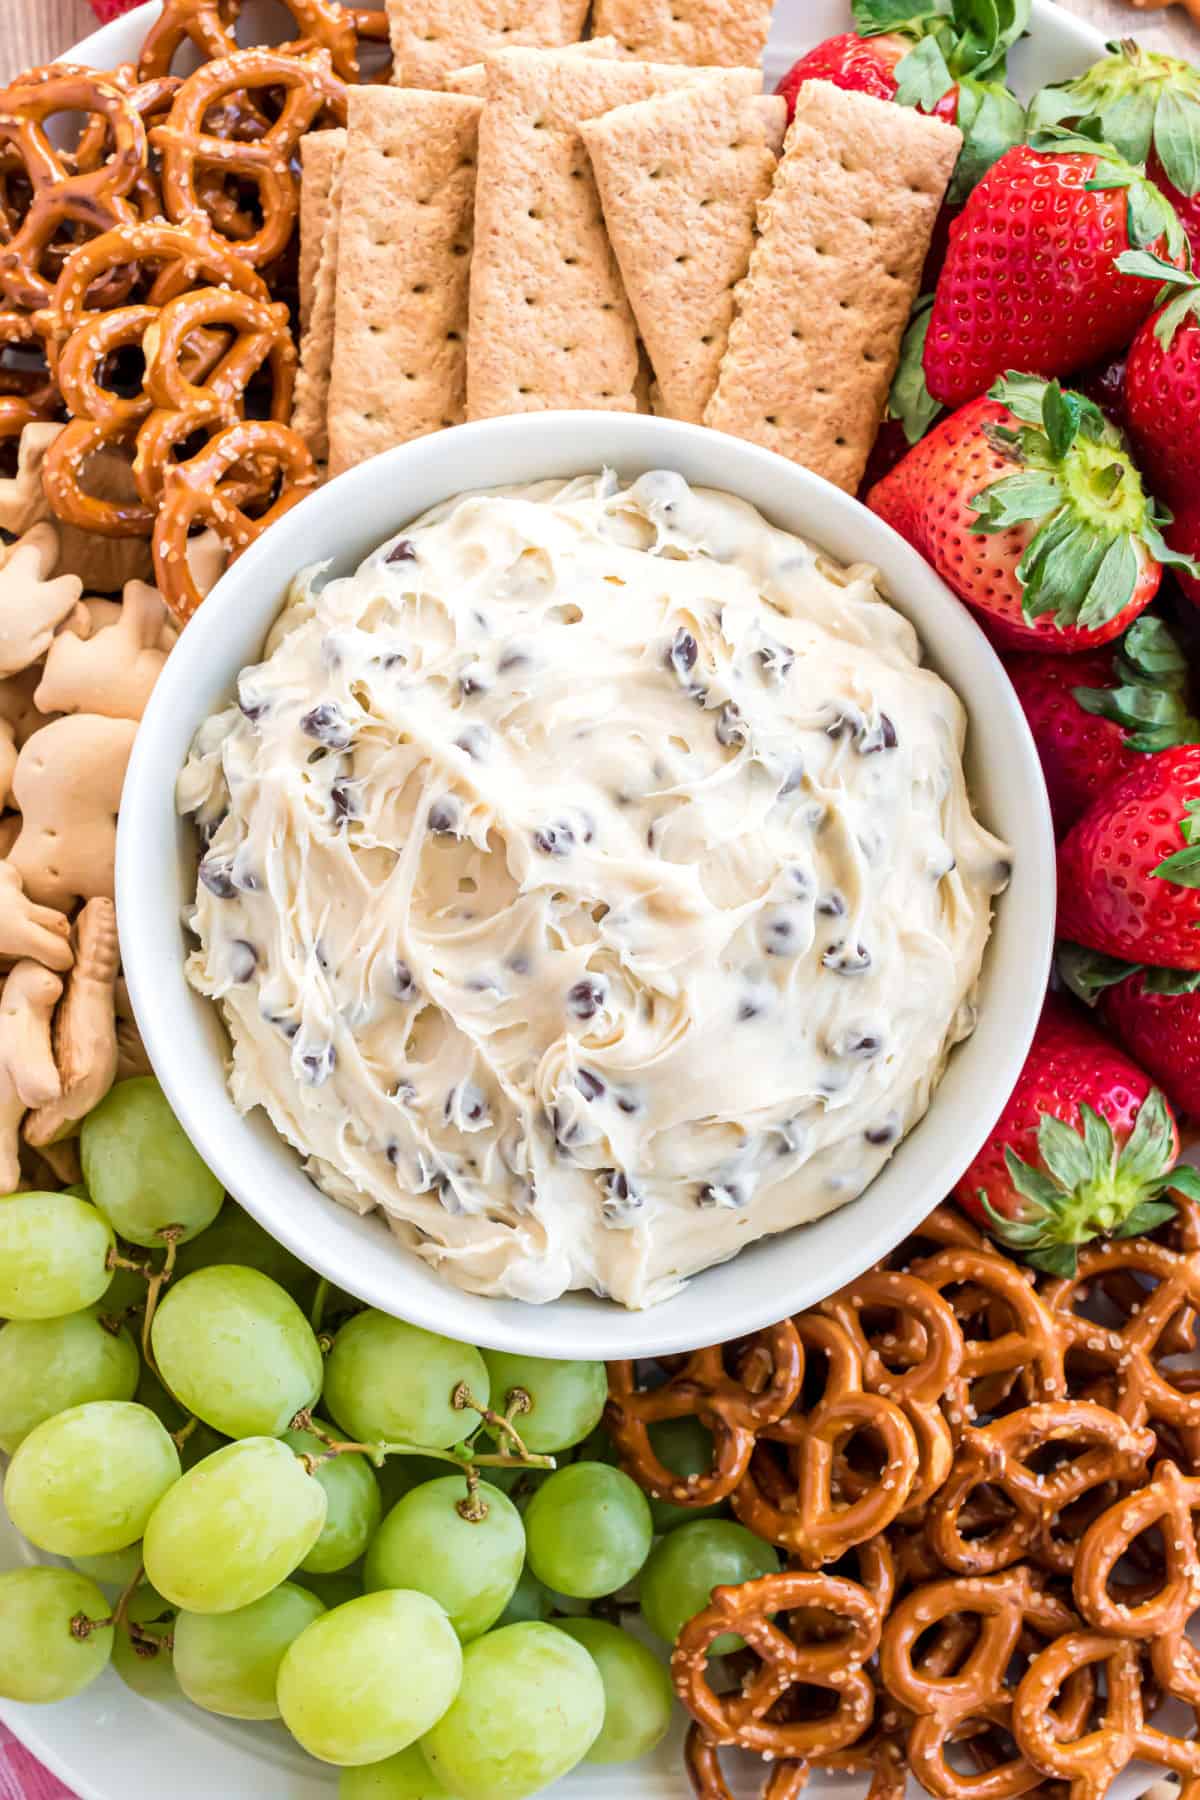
[156, 863]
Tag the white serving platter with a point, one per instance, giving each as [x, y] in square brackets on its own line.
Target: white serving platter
[110, 1744]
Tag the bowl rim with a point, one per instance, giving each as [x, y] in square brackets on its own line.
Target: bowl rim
[1016, 963]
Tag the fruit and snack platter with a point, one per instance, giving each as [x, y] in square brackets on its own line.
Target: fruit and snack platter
[938, 1527]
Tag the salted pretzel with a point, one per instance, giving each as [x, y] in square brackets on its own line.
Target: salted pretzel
[734, 1407]
[934, 1355]
[26, 393]
[202, 493]
[1143, 1390]
[949, 1701]
[997, 1455]
[1027, 1344]
[785, 1658]
[209, 26]
[1092, 1756]
[62, 200]
[191, 153]
[785, 1780]
[794, 1504]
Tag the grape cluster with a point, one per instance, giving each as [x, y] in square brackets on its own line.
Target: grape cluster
[414, 1552]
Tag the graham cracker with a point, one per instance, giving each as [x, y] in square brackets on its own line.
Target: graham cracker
[551, 326]
[408, 195]
[833, 276]
[310, 405]
[320, 160]
[732, 33]
[433, 38]
[680, 178]
[473, 79]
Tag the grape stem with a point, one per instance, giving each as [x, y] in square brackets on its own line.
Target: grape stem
[82, 1627]
[473, 1507]
[156, 1281]
[316, 1317]
[500, 1424]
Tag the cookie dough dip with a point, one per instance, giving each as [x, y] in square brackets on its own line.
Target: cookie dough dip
[590, 884]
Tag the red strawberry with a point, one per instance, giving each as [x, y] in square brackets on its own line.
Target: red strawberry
[1154, 1014]
[865, 65]
[1085, 1148]
[1162, 382]
[1184, 538]
[1105, 384]
[1029, 506]
[1147, 106]
[1031, 281]
[1094, 717]
[1129, 871]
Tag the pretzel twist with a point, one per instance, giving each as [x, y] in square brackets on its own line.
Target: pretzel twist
[802, 1513]
[209, 26]
[734, 1408]
[96, 198]
[784, 1659]
[202, 492]
[191, 153]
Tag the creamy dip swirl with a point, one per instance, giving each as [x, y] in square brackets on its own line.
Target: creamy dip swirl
[590, 883]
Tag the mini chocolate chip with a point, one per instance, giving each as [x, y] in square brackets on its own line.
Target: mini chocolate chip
[344, 795]
[243, 959]
[403, 985]
[393, 1154]
[777, 660]
[586, 998]
[328, 725]
[748, 1008]
[469, 1100]
[474, 741]
[319, 1064]
[565, 1133]
[557, 839]
[779, 935]
[218, 879]
[841, 723]
[728, 1194]
[683, 653]
[627, 1104]
[322, 958]
[865, 1046]
[290, 1028]
[402, 551]
[730, 727]
[832, 905]
[472, 681]
[252, 707]
[883, 1134]
[589, 1085]
[393, 659]
[845, 961]
[890, 737]
[519, 964]
[801, 881]
[443, 817]
[512, 659]
[404, 1091]
[1002, 871]
[793, 1135]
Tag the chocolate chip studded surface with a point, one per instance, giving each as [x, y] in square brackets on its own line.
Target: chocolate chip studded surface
[591, 884]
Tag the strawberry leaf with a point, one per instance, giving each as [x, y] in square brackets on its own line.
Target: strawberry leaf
[992, 121]
[1177, 140]
[1031, 1183]
[1151, 1143]
[1089, 973]
[1114, 584]
[1146, 1217]
[922, 76]
[910, 400]
[873, 17]
[1172, 981]
[1061, 415]
[1183, 868]
[1032, 494]
[1185, 1180]
[1065, 1154]
[1056, 1259]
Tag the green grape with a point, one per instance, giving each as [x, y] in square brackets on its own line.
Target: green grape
[234, 1527]
[529, 1709]
[388, 1381]
[228, 1663]
[568, 1398]
[236, 1351]
[354, 1504]
[140, 1169]
[638, 1696]
[54, 1251]
[236, 1237]
[406, 1776]
[469, 1566]
[399, 1475]
[367, 1679]
[47, 1365]
[689, 1563]
[332, 1590]
[589, 1530]
[686, 1448]
[529, 1600]
[86, 1481]
[116, 1569]
[144, 1661]
[42, 1657]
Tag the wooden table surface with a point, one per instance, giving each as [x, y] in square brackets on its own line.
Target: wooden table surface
[34, 31]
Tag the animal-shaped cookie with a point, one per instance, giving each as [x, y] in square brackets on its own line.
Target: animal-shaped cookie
[28, 930]
[112, 670]
[68, 788]
[85, 1027]
[16, 701]
[33, 601]
[28, 1074]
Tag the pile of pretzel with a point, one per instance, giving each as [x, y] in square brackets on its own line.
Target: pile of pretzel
[984, 1484]
[147, 277]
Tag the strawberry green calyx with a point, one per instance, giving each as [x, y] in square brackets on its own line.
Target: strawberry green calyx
[1149, 217]
[1089, 974]
[1139, 102]
[992, 121]
[1150, 702]
[1088, 1188]
[1183, 868]
[1178, 300]
[1097, 528]
[910, 400]
[974, 36]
